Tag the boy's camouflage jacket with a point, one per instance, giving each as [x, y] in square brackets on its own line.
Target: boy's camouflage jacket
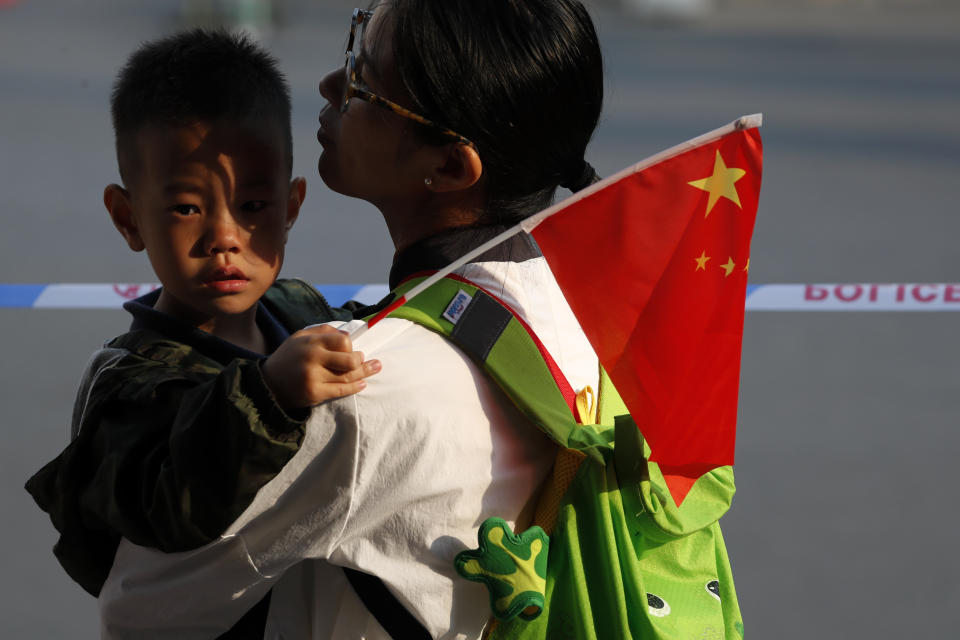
[172, 441]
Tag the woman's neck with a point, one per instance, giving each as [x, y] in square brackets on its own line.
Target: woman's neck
[427, 217]
[439, 250]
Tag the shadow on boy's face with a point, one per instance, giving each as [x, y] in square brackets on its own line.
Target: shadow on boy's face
[212, 204]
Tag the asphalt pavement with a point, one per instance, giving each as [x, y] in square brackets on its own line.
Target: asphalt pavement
[844, 525]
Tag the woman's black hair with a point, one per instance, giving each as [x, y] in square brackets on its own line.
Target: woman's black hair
[522, 79]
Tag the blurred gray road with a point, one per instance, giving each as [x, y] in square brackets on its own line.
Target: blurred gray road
[845, 523]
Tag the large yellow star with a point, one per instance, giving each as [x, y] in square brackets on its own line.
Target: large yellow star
[702, 261]
[721, 183]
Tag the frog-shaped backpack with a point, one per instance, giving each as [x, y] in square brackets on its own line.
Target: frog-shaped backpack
[608, 554]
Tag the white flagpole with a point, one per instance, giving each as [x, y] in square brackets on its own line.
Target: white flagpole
[526, 226]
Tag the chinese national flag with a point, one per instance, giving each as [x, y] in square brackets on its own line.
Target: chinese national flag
[654, 263]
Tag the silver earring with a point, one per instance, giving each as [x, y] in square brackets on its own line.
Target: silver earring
[427, 181]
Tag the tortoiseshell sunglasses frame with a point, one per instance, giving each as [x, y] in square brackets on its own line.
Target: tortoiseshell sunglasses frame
[352, 88]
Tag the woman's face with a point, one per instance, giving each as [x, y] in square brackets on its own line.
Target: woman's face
[369, 152]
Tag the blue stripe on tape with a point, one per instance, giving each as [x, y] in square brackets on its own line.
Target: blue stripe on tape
[25, 296]
[760, 297]
[20, 295]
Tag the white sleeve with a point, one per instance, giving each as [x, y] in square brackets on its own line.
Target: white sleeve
[304, 512]
[376, 467]
[204, 592]
[393, 481]
[192, 595]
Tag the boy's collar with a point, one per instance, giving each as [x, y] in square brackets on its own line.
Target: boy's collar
[146, 317]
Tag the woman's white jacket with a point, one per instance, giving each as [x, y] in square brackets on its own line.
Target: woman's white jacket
[393, 481]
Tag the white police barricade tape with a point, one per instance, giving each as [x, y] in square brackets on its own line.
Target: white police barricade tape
[112, 296]
[760, 297]
[853, 297]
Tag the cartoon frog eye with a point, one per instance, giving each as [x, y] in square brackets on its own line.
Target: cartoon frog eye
[657, 606]
[713, 588]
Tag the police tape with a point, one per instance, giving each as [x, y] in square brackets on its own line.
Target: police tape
[760, 297]
[112, 296]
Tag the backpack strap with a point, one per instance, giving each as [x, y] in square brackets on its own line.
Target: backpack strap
[508, 350]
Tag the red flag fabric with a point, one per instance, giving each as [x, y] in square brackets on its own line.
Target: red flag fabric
[654, 264]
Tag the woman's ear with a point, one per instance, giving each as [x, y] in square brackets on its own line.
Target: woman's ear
[458, 168]
[298, 191]
[117, 201]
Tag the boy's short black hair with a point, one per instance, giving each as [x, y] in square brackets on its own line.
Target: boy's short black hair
[197, 75]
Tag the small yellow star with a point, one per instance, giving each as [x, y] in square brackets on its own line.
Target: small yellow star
[701, 261]
[728, 267]
[720, 184]
[747, 268]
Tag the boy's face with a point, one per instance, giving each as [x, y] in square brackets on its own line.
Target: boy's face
[212, 204]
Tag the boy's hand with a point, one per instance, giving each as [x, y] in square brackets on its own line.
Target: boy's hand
[316, 364]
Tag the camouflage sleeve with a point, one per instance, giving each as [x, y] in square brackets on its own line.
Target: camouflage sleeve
[168, 463]
[296, 304]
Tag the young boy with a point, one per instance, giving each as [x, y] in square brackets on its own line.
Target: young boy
[181, 420]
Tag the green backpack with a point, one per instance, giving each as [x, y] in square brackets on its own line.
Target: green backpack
[609, 554]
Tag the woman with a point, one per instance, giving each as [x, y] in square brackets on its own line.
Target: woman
[455, 119]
